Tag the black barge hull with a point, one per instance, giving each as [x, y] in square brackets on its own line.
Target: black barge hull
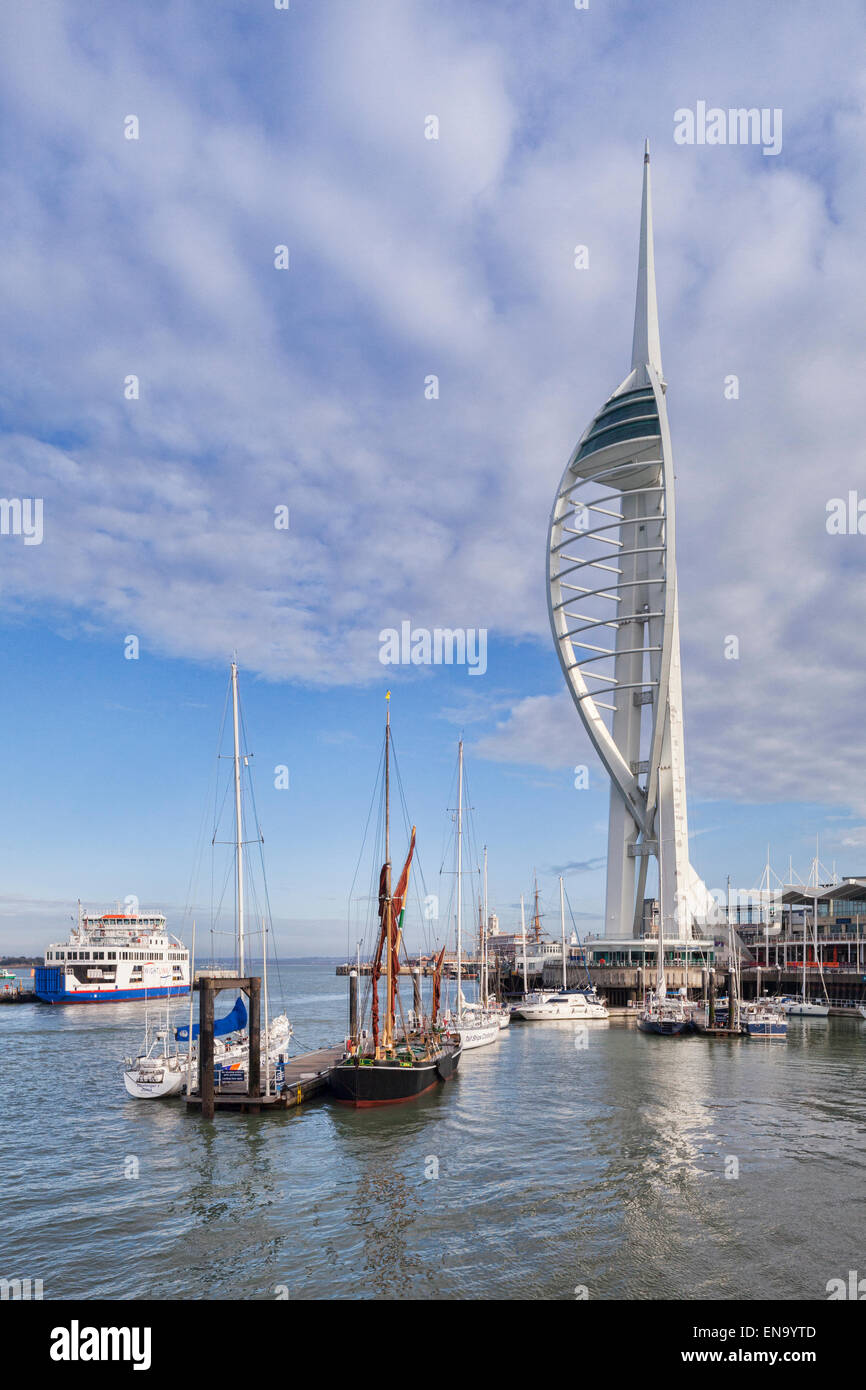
[362, 1083]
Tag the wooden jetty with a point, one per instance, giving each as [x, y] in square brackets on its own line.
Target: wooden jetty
[17, 996]
[301, 1077]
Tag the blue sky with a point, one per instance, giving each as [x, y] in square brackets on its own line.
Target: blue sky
[258, 387]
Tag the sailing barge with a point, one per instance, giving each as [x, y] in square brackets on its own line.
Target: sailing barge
[391, 1066]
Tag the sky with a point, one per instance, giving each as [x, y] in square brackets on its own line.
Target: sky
[307, 388]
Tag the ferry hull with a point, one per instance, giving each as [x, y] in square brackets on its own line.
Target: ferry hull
[115, 996]
[364, 1085]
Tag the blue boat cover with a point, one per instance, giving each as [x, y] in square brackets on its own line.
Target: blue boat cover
[232, 1023]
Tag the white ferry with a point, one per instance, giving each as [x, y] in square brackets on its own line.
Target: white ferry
[116, 956]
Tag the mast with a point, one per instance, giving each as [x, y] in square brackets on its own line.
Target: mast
[389, 1010]
[523, 930]
[239, 857]
[267, 1022]
[459, 878]
[562, 922]
[536, 921]
[485, 981]
[661, 987]
[189, 1035]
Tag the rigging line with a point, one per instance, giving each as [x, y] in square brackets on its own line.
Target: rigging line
[577, 934]
[249, 784]
[212, 781]
[376, 788]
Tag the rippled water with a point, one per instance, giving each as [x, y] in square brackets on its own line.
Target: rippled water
[558, 1166]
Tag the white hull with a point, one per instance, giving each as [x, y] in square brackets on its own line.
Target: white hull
[797, 1009]
[157, 1078]
[556, 1009]
[154, 1078]
[477, 1034]
[565, 1006]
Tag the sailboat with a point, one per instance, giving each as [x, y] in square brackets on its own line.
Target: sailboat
[529, 998]
[569, 1004]
[805, 1007]
[666, 1016]
[493, 1007]
[160, 1069]
[389, 1066]
[474, 1025]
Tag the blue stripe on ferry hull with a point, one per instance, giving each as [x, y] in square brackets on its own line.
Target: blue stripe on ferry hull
[113, 997]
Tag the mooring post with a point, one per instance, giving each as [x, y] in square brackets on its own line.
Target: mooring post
[416, 994]
[353, 1005]
[205, 1048]
[711, 999]
[255, 1069]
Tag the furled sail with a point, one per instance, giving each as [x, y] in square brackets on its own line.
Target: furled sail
[232, 1023]
[437, 986]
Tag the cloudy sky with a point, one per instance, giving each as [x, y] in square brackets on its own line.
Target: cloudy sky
[304, 387]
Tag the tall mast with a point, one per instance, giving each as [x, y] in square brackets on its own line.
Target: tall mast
[459, 878]
[523, 932]
[485, 981]
[389, 1010]
[562, 921]
[661, 987]
[239, 825]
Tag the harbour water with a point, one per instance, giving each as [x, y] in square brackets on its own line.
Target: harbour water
[631, 1167]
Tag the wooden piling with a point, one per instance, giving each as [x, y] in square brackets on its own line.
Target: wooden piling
[205, 1048]
[254, 1076]
[416, 993]
[353, 1005]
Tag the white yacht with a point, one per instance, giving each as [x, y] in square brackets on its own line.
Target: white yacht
[574, 1004]
[547, 1005]
[805, 1008]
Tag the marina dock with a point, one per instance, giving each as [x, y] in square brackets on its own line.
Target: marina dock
[302, 1078]
[17, 996]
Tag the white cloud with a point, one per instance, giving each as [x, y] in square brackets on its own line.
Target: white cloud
[453, 257]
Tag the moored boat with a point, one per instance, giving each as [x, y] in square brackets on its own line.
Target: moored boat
[566, 1004]
[764, 1018]
[805, 1008]
[387, 1066]
[161, 1068]
[114, 957]
[665, 1016]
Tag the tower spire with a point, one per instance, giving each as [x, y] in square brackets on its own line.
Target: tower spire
[646, 347]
